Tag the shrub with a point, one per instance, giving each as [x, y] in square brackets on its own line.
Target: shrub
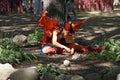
[112, 51]
[36, 36]
[51, 68]
[12, 53]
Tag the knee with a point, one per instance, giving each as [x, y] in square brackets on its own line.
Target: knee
[49, 50]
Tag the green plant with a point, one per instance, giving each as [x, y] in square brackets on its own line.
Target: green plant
[29, 56]
[51, 68]
[12, 53]
[10, 56]
[7, 43]
[36, 36]
[111, 52]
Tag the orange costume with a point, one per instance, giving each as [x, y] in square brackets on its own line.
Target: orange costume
[50, 24]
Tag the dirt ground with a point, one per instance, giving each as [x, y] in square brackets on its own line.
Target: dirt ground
[96, 28]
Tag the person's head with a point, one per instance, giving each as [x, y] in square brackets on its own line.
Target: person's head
[44, 13]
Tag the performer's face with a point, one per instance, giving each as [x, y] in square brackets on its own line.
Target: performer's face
[44, 13]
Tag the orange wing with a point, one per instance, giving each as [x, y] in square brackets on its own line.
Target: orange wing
[78, 24]
[75, 26]
[47, 22]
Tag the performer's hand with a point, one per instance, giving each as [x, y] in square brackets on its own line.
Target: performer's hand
[72, 51]
[68, 49]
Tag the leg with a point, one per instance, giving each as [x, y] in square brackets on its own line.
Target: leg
[47, 50]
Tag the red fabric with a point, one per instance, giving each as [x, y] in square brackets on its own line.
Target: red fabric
[76, 26]
[67, 26]
[99, 49]
[49, 26]
[86, 49]
[60, 50]
[47, 39]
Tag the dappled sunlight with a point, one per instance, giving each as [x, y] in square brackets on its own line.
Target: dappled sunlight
[116, 36]
[26, 19]
[90, 37]
[6, 27]
[76, 67]
[100, 27]
[109, 24]
[17, 19]
[27, 28]
[96, 27]
[99, 21]
[110, 29]
[105, 64]
[96, 32]
[7, 20]
[13, 24]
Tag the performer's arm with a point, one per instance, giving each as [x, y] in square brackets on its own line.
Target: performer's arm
[54, 41]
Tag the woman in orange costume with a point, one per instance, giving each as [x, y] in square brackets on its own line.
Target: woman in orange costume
[54, 38]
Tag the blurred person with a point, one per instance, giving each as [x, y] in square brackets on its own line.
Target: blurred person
[71, 8]
[38, 7]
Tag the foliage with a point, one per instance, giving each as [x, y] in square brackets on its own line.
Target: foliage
[36, 36]
[12, 53]
[51, 68]
[111, 52]
[8, 44]
[111, 71]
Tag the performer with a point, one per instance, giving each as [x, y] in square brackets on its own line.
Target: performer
[55, 37]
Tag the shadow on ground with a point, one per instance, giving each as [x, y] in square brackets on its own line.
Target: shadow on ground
[13, 24]
[98, 28]
[95, 28]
